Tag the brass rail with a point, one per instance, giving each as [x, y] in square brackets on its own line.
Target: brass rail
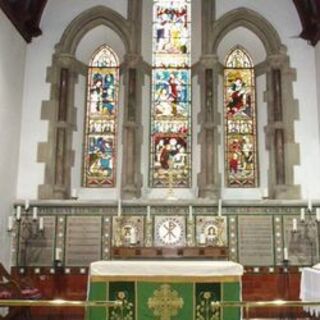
[60, 303]
[247, 305]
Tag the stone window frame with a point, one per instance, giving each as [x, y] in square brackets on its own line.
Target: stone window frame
[56, 153]
[283, 109]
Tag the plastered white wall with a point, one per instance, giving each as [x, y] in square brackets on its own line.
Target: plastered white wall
[281, 14]
[12, 63]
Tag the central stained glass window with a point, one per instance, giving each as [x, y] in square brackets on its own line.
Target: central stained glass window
[170, 162]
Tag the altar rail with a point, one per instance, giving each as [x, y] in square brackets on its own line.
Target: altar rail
[258, 234]
[290, 309]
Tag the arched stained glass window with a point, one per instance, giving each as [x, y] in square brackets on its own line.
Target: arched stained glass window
[101, 119]
[170, 162]
[240, 121]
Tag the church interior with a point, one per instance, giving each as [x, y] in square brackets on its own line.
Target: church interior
[165, 159]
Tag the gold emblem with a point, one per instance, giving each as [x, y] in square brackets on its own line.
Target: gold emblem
[165, 302]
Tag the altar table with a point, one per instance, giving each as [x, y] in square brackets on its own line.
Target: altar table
[165, 290]
[310, 288]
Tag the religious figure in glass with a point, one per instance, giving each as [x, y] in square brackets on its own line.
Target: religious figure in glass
[240, 121]
[170, 160]
[101, 119]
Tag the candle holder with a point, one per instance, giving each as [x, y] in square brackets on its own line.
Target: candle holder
[285, 263]
[28, 231]
[310, 234]
[58, 264]
[170, 193]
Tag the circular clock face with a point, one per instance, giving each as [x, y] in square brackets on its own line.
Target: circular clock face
[170, 231]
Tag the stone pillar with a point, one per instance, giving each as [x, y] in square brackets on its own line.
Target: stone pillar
[209, 180]
[57, 153]
[131, 181]
[282, 112]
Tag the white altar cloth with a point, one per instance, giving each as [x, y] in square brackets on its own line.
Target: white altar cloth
[166, 268]
[310, 289]
[317, 266]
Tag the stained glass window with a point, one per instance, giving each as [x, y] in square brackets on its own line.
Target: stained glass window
[101, 119]
[170, 162]
[240, 120]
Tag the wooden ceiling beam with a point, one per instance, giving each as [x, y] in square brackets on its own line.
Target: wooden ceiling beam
[25, 16]
[309, 13]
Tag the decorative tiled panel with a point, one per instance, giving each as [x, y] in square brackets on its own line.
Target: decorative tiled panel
[213, 229]
[128, 230]
[106, 237]
[35, 245]
[233, 238]
[278, 244]
[170, 231]
[83, 240]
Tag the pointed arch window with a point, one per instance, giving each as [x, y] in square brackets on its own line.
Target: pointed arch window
[240, 121]
[99, 170]
[170, 154]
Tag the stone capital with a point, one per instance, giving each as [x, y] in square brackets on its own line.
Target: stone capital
[209, 61]
[277, 61]
[133, 60]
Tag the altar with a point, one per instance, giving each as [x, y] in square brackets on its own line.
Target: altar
[165, 290]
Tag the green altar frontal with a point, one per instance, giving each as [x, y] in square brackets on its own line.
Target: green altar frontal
[175, 290]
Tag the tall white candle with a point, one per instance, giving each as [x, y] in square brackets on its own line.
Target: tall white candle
[309, 204]
[35, 213]
[58, 255]
[10, 223]
[265, 193]
[190, 213]
[294, 224]
[18, 215]
[202, 238]
[318, 214]
[119, 208]
[133, 236]
[148, 213]
[285, 253]
[302, 214]
[74, 194]
[26, 205]
[41, 224]
[220, 208]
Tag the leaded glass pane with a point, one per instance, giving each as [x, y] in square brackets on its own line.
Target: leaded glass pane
[240, 121]
[170, 160]
[101, 119]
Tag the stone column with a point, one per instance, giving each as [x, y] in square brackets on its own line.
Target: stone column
[57, 153]
[282, 112]
[131, 180]
[209, 180]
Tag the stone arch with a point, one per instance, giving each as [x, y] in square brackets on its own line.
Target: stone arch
[282, 108]
[60, 112]
[243, 17]
[88, 20]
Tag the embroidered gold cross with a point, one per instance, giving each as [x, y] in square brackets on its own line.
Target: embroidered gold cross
[165, 302]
